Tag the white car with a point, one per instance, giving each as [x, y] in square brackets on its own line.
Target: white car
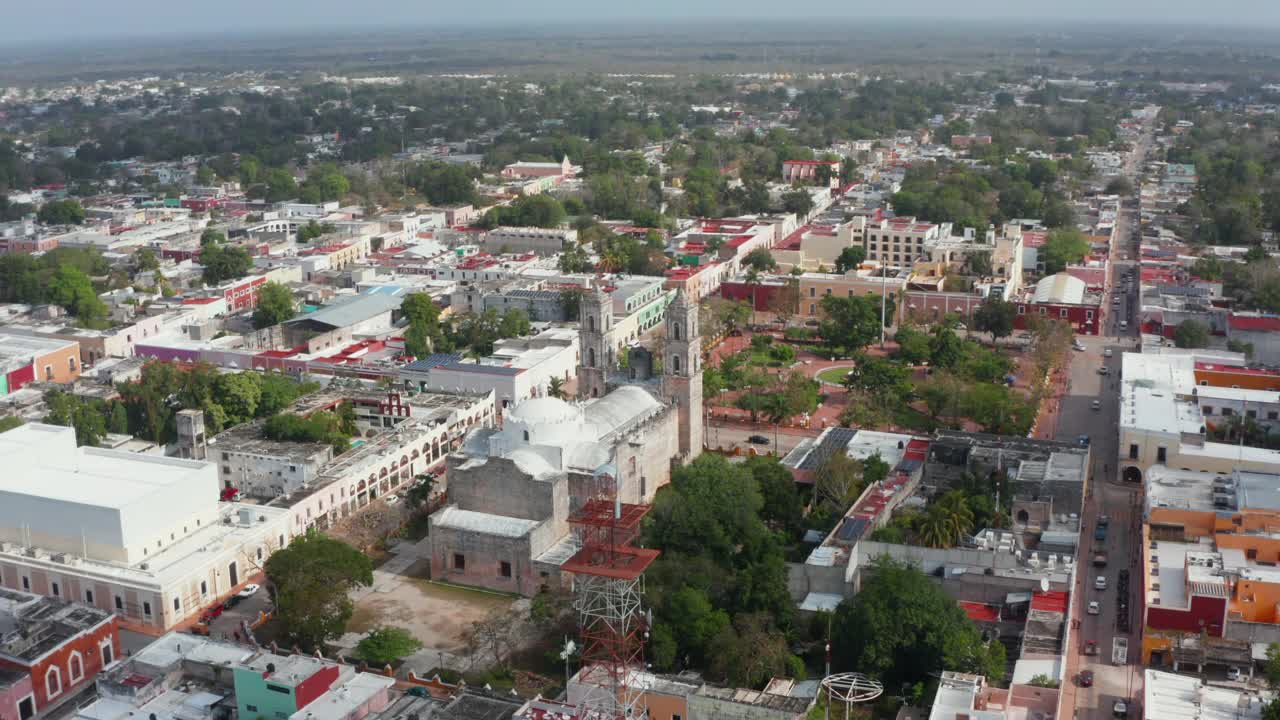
[1100, 583]
[249, 590]
[1234, 674]
[1094, 607]
[391, 499]
[1096, 404]
[1107, 352]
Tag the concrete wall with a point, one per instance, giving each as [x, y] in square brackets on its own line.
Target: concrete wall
[484, 555]
[499, 487]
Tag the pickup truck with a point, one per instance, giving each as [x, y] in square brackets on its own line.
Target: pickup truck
[1119, 651]
[1100, 558]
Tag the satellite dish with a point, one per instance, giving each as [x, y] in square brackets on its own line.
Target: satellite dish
[1044, 584]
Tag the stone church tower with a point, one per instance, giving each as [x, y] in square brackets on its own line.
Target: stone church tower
[682, 373]
[595, 353]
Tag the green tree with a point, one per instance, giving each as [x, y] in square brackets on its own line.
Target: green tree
[913, 346]
[946, 349]
[311, 580]
[995, 316]
[783, 507]
[1062, 248]
[903, 628]
[1119, 185]
[146, 261]
[849, 323]
[838, 482]
[850, 258]
[275, 305]
[1191, 334]
[88, 417]
[9, 422]
[61, 212]
[119, 420]
[424, 334]
[73, 290]
[798, 202]
[760, 259]
[223, 262]
[279, 184]
[239, 395]
[515, 323]
[212, 236]
[384, 645]
[313, 230]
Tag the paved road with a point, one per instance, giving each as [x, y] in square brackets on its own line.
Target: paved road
[1107, 495]
[729, 436]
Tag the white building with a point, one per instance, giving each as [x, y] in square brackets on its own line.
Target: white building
[543, 241]
[140, 535]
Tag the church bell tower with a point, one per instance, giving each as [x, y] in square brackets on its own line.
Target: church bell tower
[682, 373]
[595, 353]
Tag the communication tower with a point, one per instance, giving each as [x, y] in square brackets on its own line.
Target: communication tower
[608, 576]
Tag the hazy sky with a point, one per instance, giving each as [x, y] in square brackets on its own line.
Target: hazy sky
[22, 22]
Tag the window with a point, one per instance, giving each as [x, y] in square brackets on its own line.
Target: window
[459, 562]
[1272, 415]
[146, 608]
[71, 364]
[278, 688]
[1207, 409]
[1161, 454]
[1133, 452]
[88, 596]
[505, 569]
[204, 587]
[119, 603]
[1228, 412]
[812, 308]
[675, 363]
[55, 590]
[1251, 413]
[260, 549]
[27, 708]
[526, 436]
[251, 708]
[813, 292]
[177, 605]
[26, 583]
[1062, 312]
[1088, 314]
[1022, 309]
[53, 682]
[226, 469]
[48, 372]
[75, 668]
[1044, 311]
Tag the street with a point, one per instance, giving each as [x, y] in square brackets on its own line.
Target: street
[1106, 494]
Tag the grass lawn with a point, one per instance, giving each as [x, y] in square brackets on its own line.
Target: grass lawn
[834, 375]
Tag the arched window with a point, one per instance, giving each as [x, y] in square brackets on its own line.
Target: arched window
[75, 668]
[591, 323]
[675, 330]
[53, 682]
[526, 436]
[591, 357]
[675, 363]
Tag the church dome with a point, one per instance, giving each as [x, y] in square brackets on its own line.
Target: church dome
[537, 411]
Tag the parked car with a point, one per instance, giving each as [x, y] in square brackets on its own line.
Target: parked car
[1100, 583]
[1234, 674]
[1096, 404]
[1086, 678]
[1120, 709]
[230, 494]
[249, 590]
[1095, 608]
[231, 602]
[1091, 647]
[1106, 352]
[391, 499]
[1103, 370]
[758, 440]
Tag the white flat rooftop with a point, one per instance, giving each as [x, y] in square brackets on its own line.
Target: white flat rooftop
[87, 476]
[484, 523]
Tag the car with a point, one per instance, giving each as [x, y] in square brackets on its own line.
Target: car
[391, 499]
[1103, 369]
[1077, 347]
[758, 440]
[1091, 647]
[231, 602]
[1095, 608]
[230, 494]
[1086, 678]
[249, 590]
[1100, 583]
[1082, 440]
[1124, 324]
[1120, 709]
[1234, 674]
[1106, 352]
[1096, 404]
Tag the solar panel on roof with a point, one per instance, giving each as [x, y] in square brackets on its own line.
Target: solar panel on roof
[833, 439]
[851, 529]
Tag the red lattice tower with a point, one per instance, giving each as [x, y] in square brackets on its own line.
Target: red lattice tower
[608, 575]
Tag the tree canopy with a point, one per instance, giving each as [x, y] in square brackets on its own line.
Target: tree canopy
[275, 305]
[311, 580]
[902, 628]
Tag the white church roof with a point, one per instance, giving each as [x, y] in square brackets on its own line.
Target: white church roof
[544, 410]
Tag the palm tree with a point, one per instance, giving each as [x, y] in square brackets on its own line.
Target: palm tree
[555, 388]
[753, 283]
[935, 528]
[959, 515]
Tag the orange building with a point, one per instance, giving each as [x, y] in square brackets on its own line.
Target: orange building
[1236, 376]
[31, 358]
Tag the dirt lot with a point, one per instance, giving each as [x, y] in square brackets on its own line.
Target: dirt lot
[438, 615]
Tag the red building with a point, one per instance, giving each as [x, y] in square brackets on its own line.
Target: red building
[61, 645]
[762, 295]
[1062, 297]
[242, 294]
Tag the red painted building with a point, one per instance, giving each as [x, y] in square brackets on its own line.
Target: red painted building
[1085, 319]
[243, 294]
[762, 296]
[61, 645]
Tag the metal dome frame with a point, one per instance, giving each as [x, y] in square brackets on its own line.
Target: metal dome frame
[851, 688]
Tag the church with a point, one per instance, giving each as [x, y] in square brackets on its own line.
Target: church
[512, 489]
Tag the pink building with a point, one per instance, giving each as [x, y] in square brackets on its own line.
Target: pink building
[30, 244]
[806, 171]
